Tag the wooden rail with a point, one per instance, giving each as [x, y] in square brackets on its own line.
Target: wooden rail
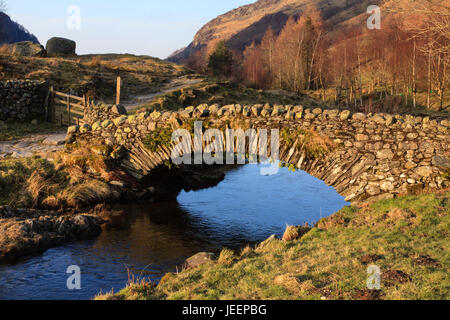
[66, 109]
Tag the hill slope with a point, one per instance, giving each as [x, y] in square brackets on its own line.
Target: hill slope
[244, 25]
[11, 31]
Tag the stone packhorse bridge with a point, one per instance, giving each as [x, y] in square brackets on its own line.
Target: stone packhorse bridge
[364, 157]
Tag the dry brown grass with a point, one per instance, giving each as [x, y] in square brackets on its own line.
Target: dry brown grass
[95, 62]
[37, 187]
[91, 191]
[321, 141]
[289, 282]
[4, 49]
[227, 257]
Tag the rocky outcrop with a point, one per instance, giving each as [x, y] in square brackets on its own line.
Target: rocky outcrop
[374, 157]
[60, 46]
[24, 232]
[27, 49]
[22, 100]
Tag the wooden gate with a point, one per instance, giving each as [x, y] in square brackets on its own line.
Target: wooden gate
[66, 109]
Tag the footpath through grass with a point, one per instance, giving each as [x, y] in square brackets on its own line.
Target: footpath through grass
[17, 130]
[407, 238]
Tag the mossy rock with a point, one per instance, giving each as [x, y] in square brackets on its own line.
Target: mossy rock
[73, 129]
[97, 126]
[120, 120]
[143, 115]
[85, 128]
[106, 124]
[132, 119]
[156, 115]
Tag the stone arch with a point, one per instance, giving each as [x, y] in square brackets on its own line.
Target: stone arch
[371, 157]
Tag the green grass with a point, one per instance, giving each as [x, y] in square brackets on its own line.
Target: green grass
[16, 130]
[162, 137]
[328, 262]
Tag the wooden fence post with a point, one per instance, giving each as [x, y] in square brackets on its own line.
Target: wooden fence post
[119, 80]
[68, 108]
[51, 106]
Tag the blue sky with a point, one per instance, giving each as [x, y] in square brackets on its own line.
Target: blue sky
[150, 27]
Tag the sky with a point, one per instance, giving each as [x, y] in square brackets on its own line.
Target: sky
[143, 27]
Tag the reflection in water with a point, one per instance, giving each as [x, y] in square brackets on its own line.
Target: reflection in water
[151, 240]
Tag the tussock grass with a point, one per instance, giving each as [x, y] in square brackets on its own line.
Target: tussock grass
[407, 238]
[226, 257]
[92, 191]
[26, 182]
[65, 183]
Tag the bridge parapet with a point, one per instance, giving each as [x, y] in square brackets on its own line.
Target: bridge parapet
[375, 156]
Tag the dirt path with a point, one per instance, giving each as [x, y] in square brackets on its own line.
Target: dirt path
[174, 85]
[33, 144]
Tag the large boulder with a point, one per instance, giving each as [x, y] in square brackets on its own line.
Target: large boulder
[61, 46]
[27, 49]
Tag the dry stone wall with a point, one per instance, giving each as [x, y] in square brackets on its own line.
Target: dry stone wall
[22, 100]
[374, 157]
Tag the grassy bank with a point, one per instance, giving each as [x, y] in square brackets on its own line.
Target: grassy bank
[62, 184]
[408, 238]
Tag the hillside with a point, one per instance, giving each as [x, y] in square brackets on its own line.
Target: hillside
[244, 25]
[94, 75]
[11, 31]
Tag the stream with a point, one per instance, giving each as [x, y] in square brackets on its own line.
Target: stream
[150, 240]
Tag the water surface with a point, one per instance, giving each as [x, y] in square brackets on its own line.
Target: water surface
[151, 240]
